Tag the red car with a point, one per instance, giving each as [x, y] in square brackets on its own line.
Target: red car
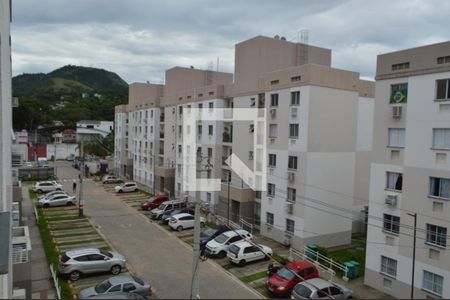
[282, 282]
[154, 202]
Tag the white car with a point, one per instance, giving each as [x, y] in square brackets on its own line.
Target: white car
[243, 252]
[56, 200]
[184, 221]
[52, 193]
[47, 186]
[110, 179]
[126, 187]
[219, 246]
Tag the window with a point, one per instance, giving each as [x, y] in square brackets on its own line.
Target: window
[272, 160]
[432, 282]
[269, 218]
[296, 78]
[274, 82]
[250, 155]
[295, 98]
[436, 235]
[391, 223]
[188, 108]
[388, 266]
[200, 105]
[210, 130]
[200, 95]
[291, 194]
[396, 137]
[443, 89]
[334, 291]
[211, 105]
[290, 225]
[128, 287]
[210, 153]
[441, 138]
[208, 198]
[293, 131]
[440, 187]
[199, 129]
[115, 288]
[400, 66]
[399, 93]
[180, 110]
[292, 162]
[443, 59]
[394, 181]
[273, 130]
[271, 189]
[274, 100]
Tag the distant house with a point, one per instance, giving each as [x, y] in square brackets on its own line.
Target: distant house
[84, 95]
[22, 137]
[69, 136]
[86, 129]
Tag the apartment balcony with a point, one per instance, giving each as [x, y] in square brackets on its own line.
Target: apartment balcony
[227, 137]
[161, 135]
[239, 194]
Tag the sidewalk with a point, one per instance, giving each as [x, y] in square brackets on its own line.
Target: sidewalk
[41, 282]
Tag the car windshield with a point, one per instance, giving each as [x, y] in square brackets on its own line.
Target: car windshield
[64, 258]
[209, 232]
[162, 207]
[102, 286]
[234, 249]
[302, 291]
[106, 253]
[151, 200]
[221, 238]
[285, 273]
[138, 280]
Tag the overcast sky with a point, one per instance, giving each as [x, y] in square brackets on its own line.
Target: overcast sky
[139, 39]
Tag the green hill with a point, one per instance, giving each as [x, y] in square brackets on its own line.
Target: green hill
[67, 94]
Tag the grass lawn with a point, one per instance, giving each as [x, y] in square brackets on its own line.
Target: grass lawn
[356, 251]
[280, 259]
[253, 277]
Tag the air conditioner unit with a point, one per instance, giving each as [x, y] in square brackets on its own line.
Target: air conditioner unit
[273, 112]
[289, 207]
[291, 176]
[15, 206]
[287, 239]
[396, 112]
[294, 111]
[391, 200]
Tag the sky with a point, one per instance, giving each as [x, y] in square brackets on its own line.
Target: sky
[140, 39]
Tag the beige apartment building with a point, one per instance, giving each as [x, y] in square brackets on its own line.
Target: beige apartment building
[410, 174]
[319, 128]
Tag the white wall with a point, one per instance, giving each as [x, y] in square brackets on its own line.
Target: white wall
[62, 150]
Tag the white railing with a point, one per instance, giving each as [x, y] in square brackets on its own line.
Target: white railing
[242, 224]
[36, 214]
[323, 263]
[56, 282]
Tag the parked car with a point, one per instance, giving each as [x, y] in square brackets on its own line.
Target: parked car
[319, 288]
[166, 217]
[120, 295]
[90, 260]
[110, 179]
[184, 221]
[282, 282]
[219, 246]
[126, 187]
[52, 193]
[166, 207]
[47, 186]
[118, 284]
[70, 157]
[56, 200]
[243, 252]
[211, 233]
[27, 164]
[154, 202]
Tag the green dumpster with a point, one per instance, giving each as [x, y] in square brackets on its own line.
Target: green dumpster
[312, 254]
[351, 269]
[356, 266]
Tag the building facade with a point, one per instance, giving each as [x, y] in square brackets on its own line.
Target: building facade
[87, 129]
[410, 174]
[319, 128]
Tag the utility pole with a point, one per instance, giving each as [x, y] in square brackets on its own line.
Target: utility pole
[414, 215]
[154, 175]
[228, 201]
[35, 145]
[80, 195]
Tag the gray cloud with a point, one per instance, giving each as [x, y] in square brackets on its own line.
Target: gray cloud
[139, 39]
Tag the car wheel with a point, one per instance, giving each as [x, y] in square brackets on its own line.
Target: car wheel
[45, 205]
[136, 190]
[120, 191]
[222, 254]
[40, 191]
[180, 228]
[69, 203]
[241, 263]
[349, 297]
[116, 269]
[58, 189]
[74, 275]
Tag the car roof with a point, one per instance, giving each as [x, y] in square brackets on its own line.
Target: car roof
[82, 251]
[173, 201]
[181, 215]
[129, 182]
[300, 264]
[232, 233]
[242, 244]
[317, 283]
[120, 279]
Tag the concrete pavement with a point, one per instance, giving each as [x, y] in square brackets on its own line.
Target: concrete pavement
[151, 251]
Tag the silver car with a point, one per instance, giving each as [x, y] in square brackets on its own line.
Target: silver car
[118, 285]
[319, 288]
[90, 260]
[56, 200]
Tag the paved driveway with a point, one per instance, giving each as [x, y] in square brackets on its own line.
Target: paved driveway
[152, 252]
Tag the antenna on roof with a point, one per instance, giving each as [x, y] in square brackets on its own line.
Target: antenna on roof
[209, 70]
[302, 47]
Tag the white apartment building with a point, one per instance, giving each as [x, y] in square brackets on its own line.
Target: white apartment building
[6, 268]
[410, 174]
[319, 123]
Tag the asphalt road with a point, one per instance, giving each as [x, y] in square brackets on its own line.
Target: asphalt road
[152, 252]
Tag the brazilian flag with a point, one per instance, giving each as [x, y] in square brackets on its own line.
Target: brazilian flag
[399, 93]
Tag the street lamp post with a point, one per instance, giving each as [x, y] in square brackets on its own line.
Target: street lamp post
[414, 215]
